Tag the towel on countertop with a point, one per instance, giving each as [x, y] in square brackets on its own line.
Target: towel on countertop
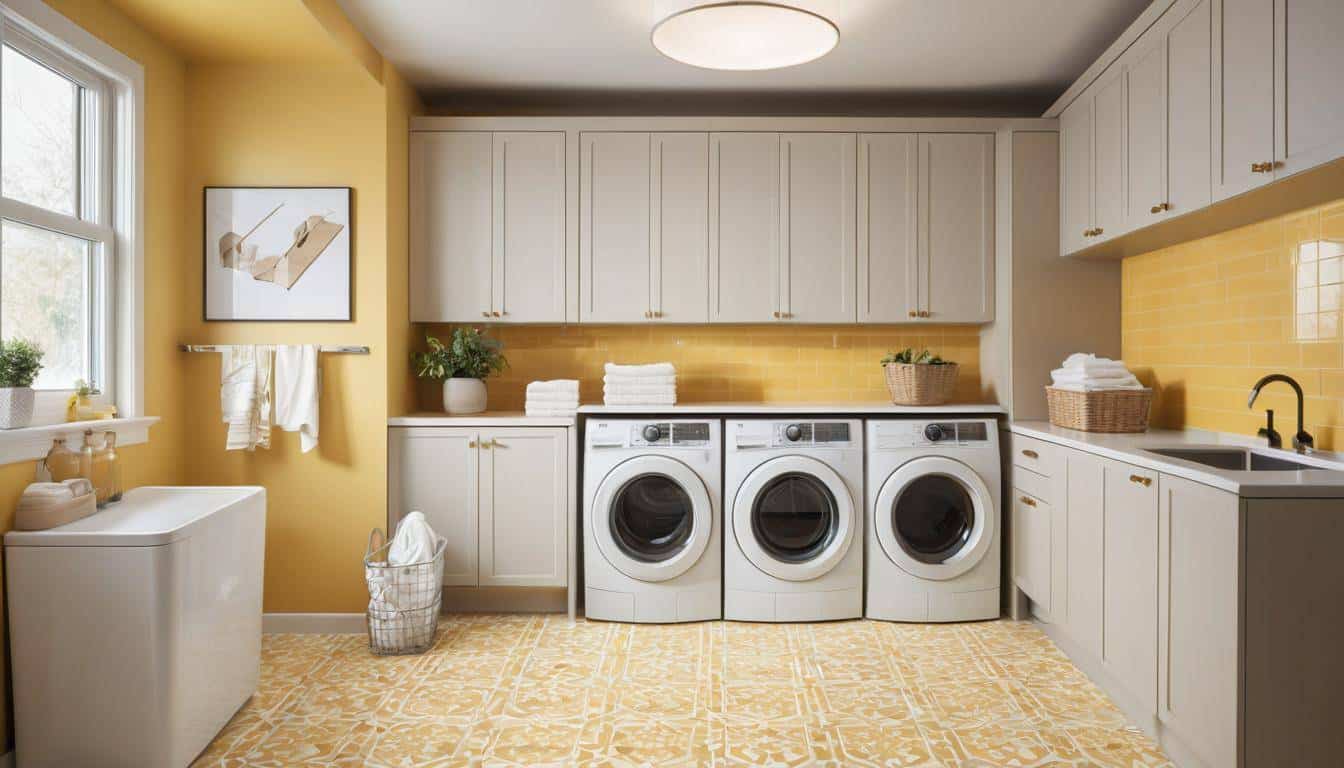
[551, 410]
[614, 371]
[553, 387]
[670, 399]
[298, 386]
[654, 390]
[558, 397]
[245, 396]
[639, 381]
[553, 397]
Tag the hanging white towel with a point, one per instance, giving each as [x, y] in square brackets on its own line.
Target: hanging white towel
[298, 386]
[245, 396]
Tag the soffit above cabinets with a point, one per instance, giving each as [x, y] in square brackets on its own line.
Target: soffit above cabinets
[595, 56]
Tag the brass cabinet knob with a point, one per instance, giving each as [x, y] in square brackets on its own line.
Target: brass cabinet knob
[923, 313]
[776, 315]
[657, 313]
[1160, 207]
[1030, 502]
[647, 314]
[1262, 167]
[495, 314]
[1141, 480]
[913, 313]
[1098, 231]
[485, 314]
[1030, 454]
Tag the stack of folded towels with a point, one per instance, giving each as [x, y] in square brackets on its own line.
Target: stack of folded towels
[1089, 373]
[654, 384]
[559, 397]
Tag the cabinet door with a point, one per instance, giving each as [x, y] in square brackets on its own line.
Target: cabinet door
[1075, 140]
[1197, 633]
[1108, 147]
[614, 256]
[956, 227]
[1129, 642]
[451, 239]
[1031, 547]
[743, 227]
[1086, 513]
[680, 227]
[524, 491]
[888, 181]
[1146, 110]
[1243, 94]
[433, 470]
[816, 216]
[529, 243]
[1308, 106]
[1188, 99]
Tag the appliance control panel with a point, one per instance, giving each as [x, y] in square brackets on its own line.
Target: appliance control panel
[912, 433]
[645, 434]
[781, 434]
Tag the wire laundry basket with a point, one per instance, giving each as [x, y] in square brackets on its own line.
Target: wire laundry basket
[404, 600]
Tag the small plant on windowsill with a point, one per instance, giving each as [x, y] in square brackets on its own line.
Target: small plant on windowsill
[463, 365]
[20, 362]
[919, 378]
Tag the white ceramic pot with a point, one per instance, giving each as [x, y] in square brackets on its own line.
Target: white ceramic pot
[463, 395]
[16, 407]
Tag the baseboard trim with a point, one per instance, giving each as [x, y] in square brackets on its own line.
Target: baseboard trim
[313, 624]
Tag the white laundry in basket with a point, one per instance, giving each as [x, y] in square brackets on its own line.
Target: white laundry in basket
[401, 588]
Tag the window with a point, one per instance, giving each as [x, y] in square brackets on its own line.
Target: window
[57, 241]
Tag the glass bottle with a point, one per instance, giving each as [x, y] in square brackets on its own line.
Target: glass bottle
[93, 465]
[62, 463]
[114, 488]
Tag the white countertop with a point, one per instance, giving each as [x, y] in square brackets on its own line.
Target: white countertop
[862, 409]
[1328, 482]
[483, 419]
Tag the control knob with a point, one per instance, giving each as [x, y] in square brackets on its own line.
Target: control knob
[652, 433]
[793, 433]
[933, 433]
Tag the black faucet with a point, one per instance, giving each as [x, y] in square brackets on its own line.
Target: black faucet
[1275, 440]
[1302, 442]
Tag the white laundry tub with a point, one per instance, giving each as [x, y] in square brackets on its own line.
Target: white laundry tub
[135, 633]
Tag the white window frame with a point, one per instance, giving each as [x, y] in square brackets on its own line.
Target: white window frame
[117, 208]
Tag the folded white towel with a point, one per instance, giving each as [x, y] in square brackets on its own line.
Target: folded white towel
[554, 386]
[649, 390]
[1093, 364]
[1073, 374]
[640, 381]
[550, 410]
[652, 369]
[245, 396]
[1097, 387]
[640, 399]
[552, 397]
[298, 386]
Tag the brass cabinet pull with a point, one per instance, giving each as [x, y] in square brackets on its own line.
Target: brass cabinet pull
[1030, 502]
[1160, 207]
[1098, 231]
[485, 314]
[777, 315]
[1087, 233]
[657, 313]
[1262, 167]
[913, 313]
[495, 314]
[1030, 454]
[647, 314]
[923, 313]
[1141, 480]
[471, 443]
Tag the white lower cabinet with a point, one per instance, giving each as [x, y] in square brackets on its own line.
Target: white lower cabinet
[1129, 580]
[1086, 516]
[1031, 547]
[501, 496]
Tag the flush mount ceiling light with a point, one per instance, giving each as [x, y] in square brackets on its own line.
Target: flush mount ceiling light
[744, 35]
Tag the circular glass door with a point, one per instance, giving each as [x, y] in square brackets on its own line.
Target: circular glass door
[934, 517]
[652, 518]
[794, 517]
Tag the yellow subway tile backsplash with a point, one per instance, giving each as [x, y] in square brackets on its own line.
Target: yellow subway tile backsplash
[1202, 321]
[742, 363]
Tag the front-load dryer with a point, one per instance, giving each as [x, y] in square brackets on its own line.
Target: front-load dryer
[794, 547]
[934, 519]
[652, 520]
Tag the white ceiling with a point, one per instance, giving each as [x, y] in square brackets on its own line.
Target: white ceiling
[960, 55]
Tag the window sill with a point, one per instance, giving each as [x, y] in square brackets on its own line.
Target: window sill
[31, 443]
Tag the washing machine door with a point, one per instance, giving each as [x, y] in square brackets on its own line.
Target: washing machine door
[934, 518]
[652, 518]
[793, 518]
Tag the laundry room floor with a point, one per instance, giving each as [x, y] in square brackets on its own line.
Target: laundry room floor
[527, 690]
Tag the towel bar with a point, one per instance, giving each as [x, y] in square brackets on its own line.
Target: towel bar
[337, 349]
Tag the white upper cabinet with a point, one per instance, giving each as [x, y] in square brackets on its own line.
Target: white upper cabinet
[743, 227]
[529, 273]
[615, 265]
[680, 227]
[888, 179]
[956, 227]
[817, 252]
[451, 238]
[1075, 146]
[1243, 95]
[1108, 156]
[1146, 110]
[1309, 100]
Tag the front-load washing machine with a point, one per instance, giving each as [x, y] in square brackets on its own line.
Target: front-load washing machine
[933, 519]
[652, 520]
[794, 547]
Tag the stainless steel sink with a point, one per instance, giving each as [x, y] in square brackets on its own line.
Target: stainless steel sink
[1235, 459]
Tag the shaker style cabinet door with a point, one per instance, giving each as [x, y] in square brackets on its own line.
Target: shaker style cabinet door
[1308, 99]
[524, 487]
[888, 179]
[1129, 640]
[1086, 518]
[680, 227]
[529, 227]
[1031, 519]
[433, 469]
[1189, 108]
[451, 242]
[614, 254]
[817, 253]
[743, 227]
[1108, 159]
[1075, 146]
[1243, 95]
[1146, 110]
[956, 227]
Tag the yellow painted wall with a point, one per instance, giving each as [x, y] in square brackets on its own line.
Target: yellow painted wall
[714, 363]
[1203, 320]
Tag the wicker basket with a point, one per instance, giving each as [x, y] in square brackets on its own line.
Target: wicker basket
[921, 384]
[1122, 410]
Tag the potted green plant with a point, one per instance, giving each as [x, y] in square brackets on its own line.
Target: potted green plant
[462, 365]
[919, 378]
[20, 362]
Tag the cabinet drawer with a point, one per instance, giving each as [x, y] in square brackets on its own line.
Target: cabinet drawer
[1037, 455]
[1030, 482]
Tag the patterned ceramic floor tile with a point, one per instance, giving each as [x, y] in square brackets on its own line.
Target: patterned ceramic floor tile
[524, 690]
